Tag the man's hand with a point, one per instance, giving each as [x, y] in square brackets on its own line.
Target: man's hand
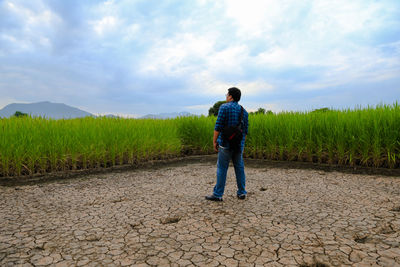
[215, 146]
[215, 137]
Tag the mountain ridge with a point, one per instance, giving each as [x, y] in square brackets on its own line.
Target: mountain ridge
[167, 115]
[45, 109]
[51, 110]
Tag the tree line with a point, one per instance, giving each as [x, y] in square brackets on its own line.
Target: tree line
[213, 111]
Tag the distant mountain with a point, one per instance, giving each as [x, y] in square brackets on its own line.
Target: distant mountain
[44, 109]
[111, 116]
[167, 115]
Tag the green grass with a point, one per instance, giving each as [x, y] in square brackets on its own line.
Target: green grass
[366, 137]
[36, 145]
[196, 134]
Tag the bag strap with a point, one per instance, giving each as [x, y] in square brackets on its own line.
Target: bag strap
[241, 117]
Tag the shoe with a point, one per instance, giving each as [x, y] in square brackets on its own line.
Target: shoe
[214, 198]
[242, 196]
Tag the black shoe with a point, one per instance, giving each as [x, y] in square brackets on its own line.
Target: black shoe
[242, 196]
[214, 198]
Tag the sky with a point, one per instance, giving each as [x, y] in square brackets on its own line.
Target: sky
[138, 57]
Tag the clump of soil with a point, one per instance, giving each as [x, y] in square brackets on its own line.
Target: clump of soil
[315, 264]
[396, 209]
[362, 239]
[168, 220]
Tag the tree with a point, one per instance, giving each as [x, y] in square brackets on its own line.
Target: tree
[20, 114]
[321, 110]
[262, 111]
[213, 111]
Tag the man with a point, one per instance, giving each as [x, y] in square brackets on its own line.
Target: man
[228, 115]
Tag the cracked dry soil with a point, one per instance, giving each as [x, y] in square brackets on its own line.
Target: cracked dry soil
[145, 217]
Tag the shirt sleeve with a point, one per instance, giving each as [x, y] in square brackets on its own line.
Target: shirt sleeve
[246, 123]
[220, 123]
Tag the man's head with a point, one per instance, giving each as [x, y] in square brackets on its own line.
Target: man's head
[234, 93]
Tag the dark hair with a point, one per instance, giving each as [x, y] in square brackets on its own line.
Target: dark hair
[235, 93]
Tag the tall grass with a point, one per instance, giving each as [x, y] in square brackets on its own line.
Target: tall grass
[36, 145]
[367, 137]
[196, 134]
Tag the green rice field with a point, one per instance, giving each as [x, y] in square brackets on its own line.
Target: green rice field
[361, 137]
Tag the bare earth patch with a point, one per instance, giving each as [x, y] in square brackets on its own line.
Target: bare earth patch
[292, 217]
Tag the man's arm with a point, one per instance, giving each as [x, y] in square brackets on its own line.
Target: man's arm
[219, 124]
[216, 133]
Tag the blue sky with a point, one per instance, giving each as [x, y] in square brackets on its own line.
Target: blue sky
[135, 57]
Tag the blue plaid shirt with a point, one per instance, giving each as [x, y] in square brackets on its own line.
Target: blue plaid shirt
[228, 115]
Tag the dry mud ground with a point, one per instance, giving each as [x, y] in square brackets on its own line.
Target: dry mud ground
[159, 217]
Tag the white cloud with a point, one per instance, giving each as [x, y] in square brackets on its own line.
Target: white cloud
[9, 38]
[254, 17]
[260, 18]
[36, 27]
[203, 47]
[176, 56]
[229, 60]
[4, 101]
[130, 32]
[366, 64]
[341, 16]
[204, 2]
[212, 86]
[288, 56]
[302, 33]
[104, 25]
[255, 87]
[41, 17]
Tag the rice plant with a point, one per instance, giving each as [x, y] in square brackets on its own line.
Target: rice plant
[368, 137]
[36, 145]
[363, 136]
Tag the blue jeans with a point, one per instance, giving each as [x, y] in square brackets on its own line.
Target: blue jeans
[224, 157]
